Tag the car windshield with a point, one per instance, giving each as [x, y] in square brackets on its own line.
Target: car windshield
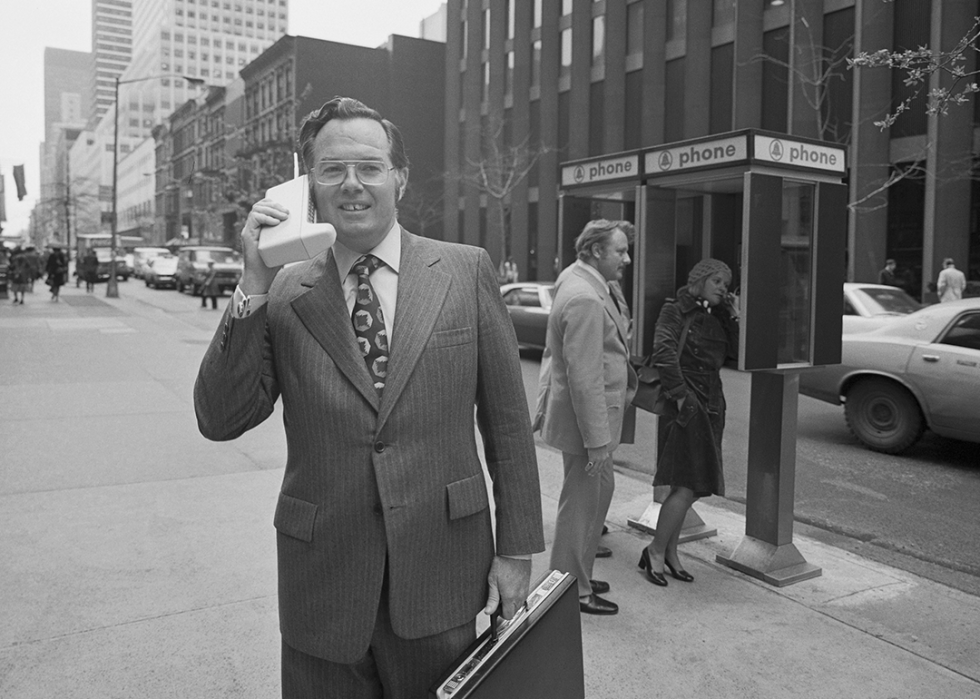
[216, 256]
[882, 301]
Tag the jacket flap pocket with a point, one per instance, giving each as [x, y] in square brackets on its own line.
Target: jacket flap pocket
[450, 338]
[467, 497]
[295, 517]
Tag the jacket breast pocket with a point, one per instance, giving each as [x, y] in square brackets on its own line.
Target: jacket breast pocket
[467, 497]
[451, 338]
[295, 517]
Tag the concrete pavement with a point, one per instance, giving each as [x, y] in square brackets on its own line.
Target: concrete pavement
[138, 558]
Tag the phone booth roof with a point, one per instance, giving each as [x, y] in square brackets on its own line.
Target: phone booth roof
[704, 159]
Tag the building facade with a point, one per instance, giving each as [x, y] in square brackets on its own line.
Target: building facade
[570, 79]
[217, 156]
[112, 49]
[66, 109]
[212, 41]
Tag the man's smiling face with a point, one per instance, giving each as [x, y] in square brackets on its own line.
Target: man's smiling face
[362, 214]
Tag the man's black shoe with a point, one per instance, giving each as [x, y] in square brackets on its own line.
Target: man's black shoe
[599, 587]
[605, 530]
[603, 552]
[594, 604]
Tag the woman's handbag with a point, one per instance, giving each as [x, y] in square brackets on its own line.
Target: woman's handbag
[650, 395]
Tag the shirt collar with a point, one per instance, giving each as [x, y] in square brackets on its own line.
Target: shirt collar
[389, 251]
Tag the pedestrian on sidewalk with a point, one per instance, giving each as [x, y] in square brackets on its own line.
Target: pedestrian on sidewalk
[210, 288]
[57, 270]
[386, 546]
[19, 275]
[695, 336]
[586, 385]
[951, 283]
[90, 270]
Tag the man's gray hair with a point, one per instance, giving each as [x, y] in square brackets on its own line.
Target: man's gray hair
[599, 231]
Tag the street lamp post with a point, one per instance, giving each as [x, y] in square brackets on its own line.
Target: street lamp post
[112, 286]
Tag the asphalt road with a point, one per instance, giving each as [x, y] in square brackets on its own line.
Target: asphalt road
[917, 511]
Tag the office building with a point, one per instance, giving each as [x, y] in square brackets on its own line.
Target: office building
[209, 39]
[66, 108]
[112, 48]
[572, 79]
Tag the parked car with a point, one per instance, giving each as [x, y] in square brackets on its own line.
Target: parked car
[142, 257]
[105, 263]
[529, 304]
[918, 371]
[161, 271]
[192, 267]
[869, 306]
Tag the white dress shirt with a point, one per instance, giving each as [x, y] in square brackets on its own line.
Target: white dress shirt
[384, 280]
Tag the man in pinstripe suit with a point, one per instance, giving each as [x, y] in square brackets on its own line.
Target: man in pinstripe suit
[386, 552]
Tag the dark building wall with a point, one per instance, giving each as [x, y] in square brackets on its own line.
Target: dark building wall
[707, 67]
[325, 69]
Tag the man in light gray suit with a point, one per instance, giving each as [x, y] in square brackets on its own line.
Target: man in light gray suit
[381, 349]
[584, 395]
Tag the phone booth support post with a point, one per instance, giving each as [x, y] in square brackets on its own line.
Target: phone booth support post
[790, 250]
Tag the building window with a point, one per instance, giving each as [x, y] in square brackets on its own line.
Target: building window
[486, 81]
[510, 19]
[566, 7]
[676, 19]
[537, 13]
[723, 12]
[775, 79]
[634, 28]
[596, 117]
[509, 86]
[598, 38]
[722, 63]
[486, 29]
[536, 64]
[566, 47]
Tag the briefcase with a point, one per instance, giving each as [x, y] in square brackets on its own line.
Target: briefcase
[537, 654]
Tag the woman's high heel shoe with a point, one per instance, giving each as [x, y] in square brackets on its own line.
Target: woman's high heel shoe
[652, 575]
[681, 574]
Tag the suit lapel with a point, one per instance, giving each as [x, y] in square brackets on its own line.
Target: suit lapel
[323, 310]
[421, 293]
[618, 318]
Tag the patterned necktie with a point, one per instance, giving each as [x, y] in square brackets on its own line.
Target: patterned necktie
[369, 322]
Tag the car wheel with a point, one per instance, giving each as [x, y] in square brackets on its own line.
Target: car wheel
[883, 415]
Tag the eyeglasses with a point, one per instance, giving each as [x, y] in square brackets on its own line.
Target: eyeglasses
[334, 172]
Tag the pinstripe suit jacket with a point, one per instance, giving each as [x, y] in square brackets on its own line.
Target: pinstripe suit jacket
[590, 381]
[394, 478]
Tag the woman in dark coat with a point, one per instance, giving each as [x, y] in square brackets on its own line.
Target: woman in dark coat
[693, 419]
[57, 271]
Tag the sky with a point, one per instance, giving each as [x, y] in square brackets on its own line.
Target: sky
[31, 25]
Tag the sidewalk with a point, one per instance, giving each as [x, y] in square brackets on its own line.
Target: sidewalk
[139, 559]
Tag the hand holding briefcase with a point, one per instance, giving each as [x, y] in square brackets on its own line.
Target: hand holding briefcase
[536, 654]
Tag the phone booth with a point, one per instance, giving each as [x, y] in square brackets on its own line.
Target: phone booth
[775, 210]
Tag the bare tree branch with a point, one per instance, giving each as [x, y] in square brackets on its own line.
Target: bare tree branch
[919, 65]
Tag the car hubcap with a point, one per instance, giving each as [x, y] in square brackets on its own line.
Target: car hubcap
[882, 415]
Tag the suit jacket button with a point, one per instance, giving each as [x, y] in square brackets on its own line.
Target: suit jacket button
[377, 509]
[379, 447]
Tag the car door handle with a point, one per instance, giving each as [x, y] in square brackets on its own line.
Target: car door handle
[930, 357]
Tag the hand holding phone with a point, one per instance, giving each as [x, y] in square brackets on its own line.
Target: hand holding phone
[300, 236]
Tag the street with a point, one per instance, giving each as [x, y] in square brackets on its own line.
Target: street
[140, 558]
[917, 511]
